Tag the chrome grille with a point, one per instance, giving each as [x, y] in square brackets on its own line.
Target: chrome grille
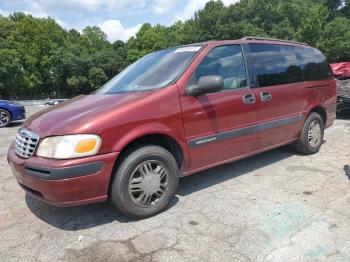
[26, 142]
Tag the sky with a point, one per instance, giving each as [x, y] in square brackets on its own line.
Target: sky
[119, 19]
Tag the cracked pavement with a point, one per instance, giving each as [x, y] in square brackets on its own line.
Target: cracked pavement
[271, 207]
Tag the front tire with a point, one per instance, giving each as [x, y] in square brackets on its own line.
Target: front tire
[145, 182]
[5, 118]
[311, 136]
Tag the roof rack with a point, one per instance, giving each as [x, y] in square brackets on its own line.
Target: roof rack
[271, 39]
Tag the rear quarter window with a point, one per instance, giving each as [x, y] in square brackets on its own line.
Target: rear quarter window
[275, 64]
[313, 63]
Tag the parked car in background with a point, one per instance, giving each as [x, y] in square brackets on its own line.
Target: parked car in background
[341, 70]
[171, 114]
[54, 102]
[342, 73]
[10, 111]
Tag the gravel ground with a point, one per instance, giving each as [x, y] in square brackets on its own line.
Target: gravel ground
[343, 88]
[277, 206]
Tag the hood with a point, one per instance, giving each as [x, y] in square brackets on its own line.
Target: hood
[77, 114]
[4, 101]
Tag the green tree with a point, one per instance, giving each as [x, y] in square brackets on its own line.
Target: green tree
[96, 77]
[206, 21]
[78, 85]
[345, 10]
[335, 41]
[313, 24]
[41, 59]
[11, 73]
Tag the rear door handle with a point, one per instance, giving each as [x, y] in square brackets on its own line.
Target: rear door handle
[265, 96]
[248, 99]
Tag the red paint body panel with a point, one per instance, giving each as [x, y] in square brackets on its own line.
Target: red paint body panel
[214, 113]
[287, 100]
[119, 119]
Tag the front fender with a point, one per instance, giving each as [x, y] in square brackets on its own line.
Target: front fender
[151, 129]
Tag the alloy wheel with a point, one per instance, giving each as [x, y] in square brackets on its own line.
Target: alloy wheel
[4, 118]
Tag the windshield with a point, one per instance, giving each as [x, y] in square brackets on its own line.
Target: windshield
[153, 71]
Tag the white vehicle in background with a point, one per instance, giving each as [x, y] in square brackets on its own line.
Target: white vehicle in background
[54, 102]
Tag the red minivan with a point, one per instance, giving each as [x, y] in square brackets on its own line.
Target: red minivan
[173, 113]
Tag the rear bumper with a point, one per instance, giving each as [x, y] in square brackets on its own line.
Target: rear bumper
[64, 182]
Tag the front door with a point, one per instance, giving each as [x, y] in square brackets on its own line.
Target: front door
[220, 126]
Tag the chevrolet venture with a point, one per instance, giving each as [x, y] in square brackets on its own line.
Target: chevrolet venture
[173, 113]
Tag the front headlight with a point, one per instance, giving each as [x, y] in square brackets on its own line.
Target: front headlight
[70, 146]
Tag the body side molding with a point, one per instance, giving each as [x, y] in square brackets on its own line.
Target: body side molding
[197, 142]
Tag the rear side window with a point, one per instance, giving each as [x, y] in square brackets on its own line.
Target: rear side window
[227, 62]
[313, 63]
[275, 64]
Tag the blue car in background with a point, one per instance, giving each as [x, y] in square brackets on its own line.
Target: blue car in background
[10, 111]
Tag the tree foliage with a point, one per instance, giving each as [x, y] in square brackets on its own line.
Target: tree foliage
[40, 59]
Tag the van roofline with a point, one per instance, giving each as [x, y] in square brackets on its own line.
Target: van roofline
[272, 40]
[238, 41]
[249, 39]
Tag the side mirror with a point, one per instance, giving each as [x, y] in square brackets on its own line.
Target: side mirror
[206, 84]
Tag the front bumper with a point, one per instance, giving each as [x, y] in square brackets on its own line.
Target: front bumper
[64, 182]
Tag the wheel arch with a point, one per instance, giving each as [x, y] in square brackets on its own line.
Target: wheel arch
[7, 110]
[321, 111]
[160, 139]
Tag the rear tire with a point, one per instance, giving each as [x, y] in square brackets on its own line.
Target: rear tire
[5, 118]
[145, 182]
[311, 136]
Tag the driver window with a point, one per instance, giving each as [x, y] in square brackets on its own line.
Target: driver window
[227, 62]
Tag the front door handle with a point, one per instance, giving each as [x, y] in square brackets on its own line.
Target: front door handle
[265, 96]
[248, 99]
